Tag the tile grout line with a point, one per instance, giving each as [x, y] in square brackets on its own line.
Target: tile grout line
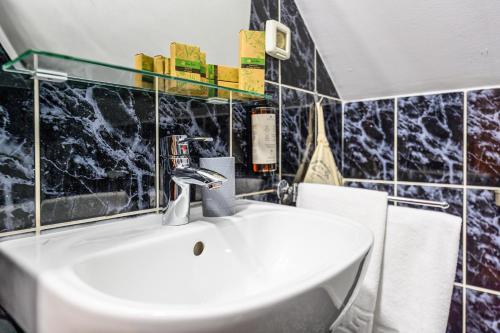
[36, 125]
[157, 145]
[464, 215]
[395, 153]
[16, 232]
[424, 93]
[97, 219]
[304, 90]
[449, 186]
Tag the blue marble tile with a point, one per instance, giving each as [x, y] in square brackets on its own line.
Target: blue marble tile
[483, 141]
[483, 239]
[324, 82]
[369, 140]
[454, 197]
[456, 313]
[430, 138]
[332, 112]
[298, 71]
[193, 117]
[17, 177]
[261, 11]
[248, 181]
[389, 188]
[483, 312]
[297, 133]
[97, 151]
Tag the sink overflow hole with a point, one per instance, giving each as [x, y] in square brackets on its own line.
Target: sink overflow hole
[198, 248]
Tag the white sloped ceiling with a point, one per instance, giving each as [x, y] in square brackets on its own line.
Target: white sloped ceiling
[396, 47]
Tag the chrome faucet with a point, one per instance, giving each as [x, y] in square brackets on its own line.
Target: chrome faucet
[182, 175]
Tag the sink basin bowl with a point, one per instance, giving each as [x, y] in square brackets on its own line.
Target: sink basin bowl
[269, 268]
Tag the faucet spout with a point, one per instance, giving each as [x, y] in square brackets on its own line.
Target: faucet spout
[199, 176]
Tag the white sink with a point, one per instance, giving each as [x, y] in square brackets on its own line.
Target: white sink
[269, 268]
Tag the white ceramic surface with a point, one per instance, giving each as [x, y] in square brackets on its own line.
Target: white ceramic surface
[269, 268]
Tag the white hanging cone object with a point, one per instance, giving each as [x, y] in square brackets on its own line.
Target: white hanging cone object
[322, 168]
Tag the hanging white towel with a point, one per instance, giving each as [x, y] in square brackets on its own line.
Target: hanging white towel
[368, 208]
[418, 271]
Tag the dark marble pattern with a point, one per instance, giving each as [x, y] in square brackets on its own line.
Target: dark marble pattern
[7, 324]
[430, 138]
[483, 140]
[97, 151]
[298, 71]
[17, 178]
[483, 239]
[483, 312]
[248, 181]
[324, 82]
[332, 112]
[193, 117]
[369, 140]
[454, 197]
[297, 132]
[455, 316]
[389, 188]
[261, 11]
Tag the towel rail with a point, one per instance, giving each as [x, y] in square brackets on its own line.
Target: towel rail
[288, 194]
[411, 201]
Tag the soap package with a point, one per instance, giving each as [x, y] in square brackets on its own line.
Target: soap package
[224, 76]
[221, 201]
[252, 61]
[185, 63]
[159, 67]
[144, 63]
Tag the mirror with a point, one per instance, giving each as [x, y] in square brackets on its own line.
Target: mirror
[113, 31]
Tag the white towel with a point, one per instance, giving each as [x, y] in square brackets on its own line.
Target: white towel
[418, 271]
[368, 208]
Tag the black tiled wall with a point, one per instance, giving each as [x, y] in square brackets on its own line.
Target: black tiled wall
[430, 146]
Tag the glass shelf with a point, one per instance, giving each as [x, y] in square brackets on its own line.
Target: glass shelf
[59, 68]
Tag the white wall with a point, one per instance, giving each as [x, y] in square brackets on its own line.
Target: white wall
[114, 30]
[392, 47]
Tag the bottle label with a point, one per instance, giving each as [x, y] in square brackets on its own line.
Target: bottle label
[264, 138]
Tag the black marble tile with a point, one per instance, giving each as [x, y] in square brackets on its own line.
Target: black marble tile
[248, 181]
[97, 151]
[193, 117]
[332, 112]
[430, 138]
[324, 82]
[456, 313]
[483, 239]
[7, 324]
[298, 71]
[17, 177]
[483, 312]
[297, 133]
[261, 11]
[454, 197]
[389, 188]
[369, 140]
[483, 141]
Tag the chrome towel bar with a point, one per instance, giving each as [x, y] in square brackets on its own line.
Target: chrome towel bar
[288, 194]
[429, 203]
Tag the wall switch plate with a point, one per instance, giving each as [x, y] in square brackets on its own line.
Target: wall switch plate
[278, 38]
